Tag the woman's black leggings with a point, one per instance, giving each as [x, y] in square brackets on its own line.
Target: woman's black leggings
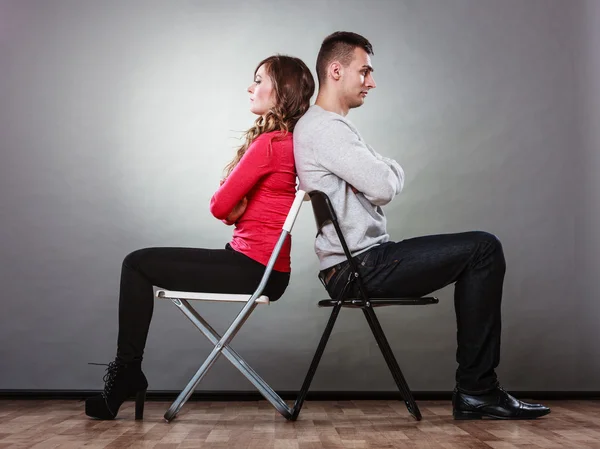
[181, 269]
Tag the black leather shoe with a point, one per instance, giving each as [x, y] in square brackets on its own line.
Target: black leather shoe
[497, 404]
[121, 381]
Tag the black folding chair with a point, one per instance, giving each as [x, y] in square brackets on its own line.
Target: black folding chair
[324, 214]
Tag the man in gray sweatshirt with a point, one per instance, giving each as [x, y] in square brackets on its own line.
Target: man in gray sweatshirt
[332, 157]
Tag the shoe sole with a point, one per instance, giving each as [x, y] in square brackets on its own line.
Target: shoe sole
[466, 416]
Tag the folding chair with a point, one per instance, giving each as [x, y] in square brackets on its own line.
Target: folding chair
[180, 299]
[324, 214]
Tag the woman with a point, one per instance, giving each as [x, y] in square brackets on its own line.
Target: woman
[256, 195]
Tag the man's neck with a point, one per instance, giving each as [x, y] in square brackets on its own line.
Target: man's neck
[332, 103]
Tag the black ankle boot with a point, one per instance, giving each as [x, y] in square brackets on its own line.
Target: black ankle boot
[121, 381]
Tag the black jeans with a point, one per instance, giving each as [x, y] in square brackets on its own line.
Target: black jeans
[183, 269]
[474, 261]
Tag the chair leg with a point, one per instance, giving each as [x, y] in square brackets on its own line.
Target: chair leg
[210, 360]
[315, 362]
[384, 346]
[237, 361]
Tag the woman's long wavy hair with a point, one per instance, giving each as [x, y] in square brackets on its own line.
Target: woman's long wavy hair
[293, 86]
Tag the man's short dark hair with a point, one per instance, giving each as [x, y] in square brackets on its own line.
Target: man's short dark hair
[339, 46]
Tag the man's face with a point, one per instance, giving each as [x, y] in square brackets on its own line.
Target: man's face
[357, 79]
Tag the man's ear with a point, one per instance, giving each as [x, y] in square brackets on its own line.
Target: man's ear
[335, 70]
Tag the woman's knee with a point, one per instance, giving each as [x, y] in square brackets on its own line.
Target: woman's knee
[134, 259]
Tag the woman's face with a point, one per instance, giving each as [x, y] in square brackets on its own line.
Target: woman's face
[262, 94]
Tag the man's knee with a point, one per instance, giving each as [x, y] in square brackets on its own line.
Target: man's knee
[492, 246]
[489, 238]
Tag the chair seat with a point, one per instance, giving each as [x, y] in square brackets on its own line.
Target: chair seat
[217, 297]
[380, 302]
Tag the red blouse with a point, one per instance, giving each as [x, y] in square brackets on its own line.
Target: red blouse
[266, 175]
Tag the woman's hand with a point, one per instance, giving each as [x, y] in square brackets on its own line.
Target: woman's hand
[237, 211]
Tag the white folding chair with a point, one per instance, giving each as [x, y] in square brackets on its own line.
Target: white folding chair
[180, 299]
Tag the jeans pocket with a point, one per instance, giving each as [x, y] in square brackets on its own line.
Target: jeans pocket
[337, 281]
[374, 256]
[364, 258]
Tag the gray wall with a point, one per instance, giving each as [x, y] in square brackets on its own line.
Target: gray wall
[587, 65]
[116, 119]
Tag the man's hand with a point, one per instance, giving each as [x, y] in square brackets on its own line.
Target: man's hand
[237, 211]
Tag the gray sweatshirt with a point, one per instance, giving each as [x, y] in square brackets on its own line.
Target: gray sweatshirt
[332, 157]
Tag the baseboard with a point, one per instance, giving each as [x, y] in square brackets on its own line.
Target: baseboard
[158, 395]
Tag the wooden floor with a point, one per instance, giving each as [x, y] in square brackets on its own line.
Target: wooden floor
[349, 424]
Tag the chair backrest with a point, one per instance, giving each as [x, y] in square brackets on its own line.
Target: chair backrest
[325, 214]
[285, 231]
[294, 210]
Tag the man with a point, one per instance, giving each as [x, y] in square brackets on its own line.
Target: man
[331, 156]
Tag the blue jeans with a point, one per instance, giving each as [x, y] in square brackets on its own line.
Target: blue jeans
[473, 261]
